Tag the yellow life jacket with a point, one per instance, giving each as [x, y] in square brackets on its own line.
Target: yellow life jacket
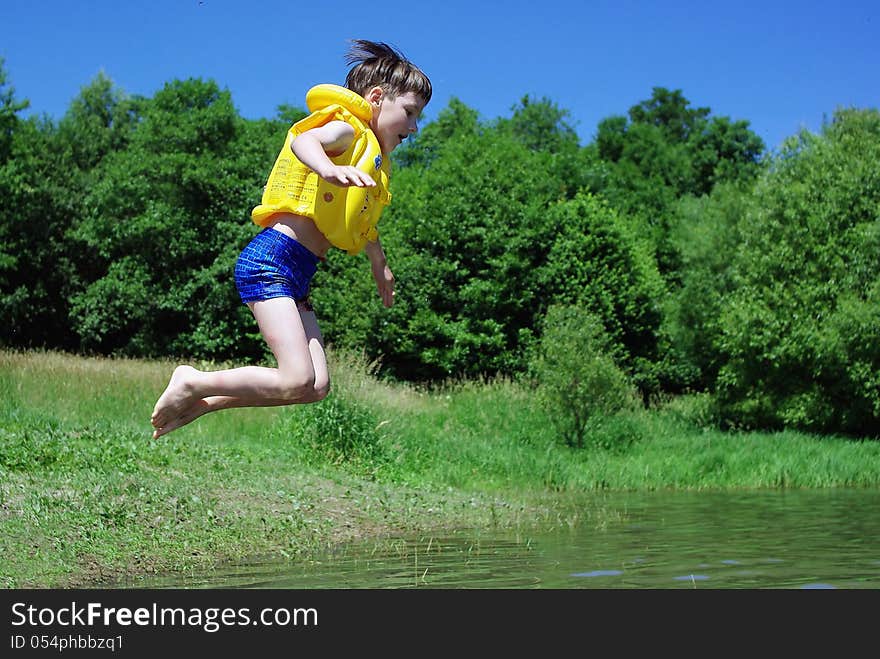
[347, 216]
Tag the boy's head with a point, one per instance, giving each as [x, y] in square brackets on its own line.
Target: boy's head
[377, 64]
[396, 87]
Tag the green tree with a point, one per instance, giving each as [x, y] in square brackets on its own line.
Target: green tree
[705, 231]
[724, 151]
[666, 149]
[165, 220]
[99, 121]
[39, 197]
[455, 121]
[596, 261]
[37, 200]
[541, 126]
[800, 330]
[669, 111]
[9, 109]
[464, 236]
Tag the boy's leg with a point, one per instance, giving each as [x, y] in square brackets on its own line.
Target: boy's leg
[295, 340]
[301, 377]
[316, 352]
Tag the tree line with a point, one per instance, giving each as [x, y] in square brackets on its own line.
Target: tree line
[705, 262]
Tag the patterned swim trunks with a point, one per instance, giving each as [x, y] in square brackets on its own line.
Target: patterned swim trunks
[274, 265]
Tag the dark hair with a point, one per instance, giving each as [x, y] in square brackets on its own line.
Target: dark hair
[376, 64]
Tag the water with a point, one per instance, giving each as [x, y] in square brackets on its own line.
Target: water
[781, 539]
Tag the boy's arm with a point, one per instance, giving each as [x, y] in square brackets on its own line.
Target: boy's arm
[313, 146]
[381, 272]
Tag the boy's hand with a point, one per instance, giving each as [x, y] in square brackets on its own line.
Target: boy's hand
[385, 283]
[347, 176]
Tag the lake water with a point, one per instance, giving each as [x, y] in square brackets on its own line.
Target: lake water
[777, 539]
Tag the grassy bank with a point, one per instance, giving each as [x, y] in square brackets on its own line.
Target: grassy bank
[86, 495]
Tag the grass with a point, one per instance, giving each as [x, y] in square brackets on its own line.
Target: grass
[87, 497]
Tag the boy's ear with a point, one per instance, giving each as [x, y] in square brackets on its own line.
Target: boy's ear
[374, 96]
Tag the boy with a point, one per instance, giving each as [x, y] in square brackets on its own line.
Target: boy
[325, 186]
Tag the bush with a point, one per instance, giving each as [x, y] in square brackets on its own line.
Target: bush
[577, 379]
[613, 433]
[337, 430]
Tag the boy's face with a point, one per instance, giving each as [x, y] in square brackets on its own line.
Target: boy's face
[395, 119]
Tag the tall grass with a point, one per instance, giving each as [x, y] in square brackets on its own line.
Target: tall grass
[493, 436]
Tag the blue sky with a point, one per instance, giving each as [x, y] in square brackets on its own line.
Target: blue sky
[780, 65]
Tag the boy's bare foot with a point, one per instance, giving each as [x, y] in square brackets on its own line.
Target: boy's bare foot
[176, 398]
[197, 409]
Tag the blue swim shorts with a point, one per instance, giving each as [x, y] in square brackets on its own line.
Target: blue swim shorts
[274, 265]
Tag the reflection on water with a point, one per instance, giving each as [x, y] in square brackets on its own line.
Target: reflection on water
[779, 539]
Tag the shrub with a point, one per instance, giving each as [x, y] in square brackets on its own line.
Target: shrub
[338, 430]
[577, 379]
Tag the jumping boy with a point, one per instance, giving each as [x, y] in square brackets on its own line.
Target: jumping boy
[327, 189]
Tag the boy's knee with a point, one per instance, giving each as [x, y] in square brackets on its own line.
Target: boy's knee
[304, 388]
[296, 387]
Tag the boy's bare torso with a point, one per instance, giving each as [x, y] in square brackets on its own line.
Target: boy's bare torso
[303, 230]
